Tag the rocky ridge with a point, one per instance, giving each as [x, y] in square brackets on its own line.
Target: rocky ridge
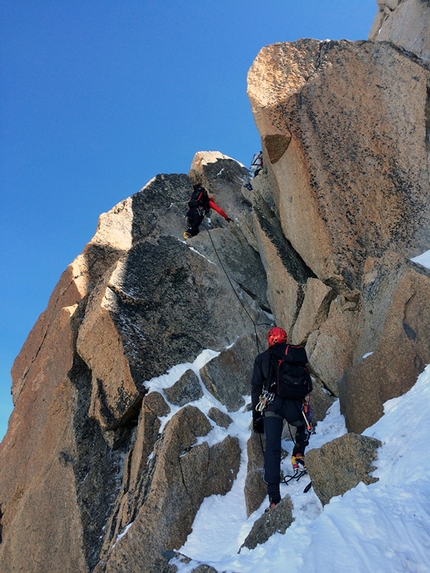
[111, 425]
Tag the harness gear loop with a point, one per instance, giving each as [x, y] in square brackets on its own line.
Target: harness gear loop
[266, 398]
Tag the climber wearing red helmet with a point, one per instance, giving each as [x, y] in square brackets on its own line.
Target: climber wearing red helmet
[280, 383]
[276, 335]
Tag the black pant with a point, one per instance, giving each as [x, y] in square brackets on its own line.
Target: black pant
[195, 217]
[279, 410]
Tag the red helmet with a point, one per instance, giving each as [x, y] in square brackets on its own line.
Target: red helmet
[275, 335]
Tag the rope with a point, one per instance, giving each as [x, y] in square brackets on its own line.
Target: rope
[296, 476]
[241, 303]
[234, 290]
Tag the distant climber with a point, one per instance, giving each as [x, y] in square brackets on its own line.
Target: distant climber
[280, 386]
[257, 165]
[199, 205]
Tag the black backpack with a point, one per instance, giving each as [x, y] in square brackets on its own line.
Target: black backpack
[291, 378]
[199, 198]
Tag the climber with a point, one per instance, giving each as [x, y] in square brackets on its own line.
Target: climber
[257, 165]
[280, 387]
[199, 206]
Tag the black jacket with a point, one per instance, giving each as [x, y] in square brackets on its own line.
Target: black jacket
[264, 373]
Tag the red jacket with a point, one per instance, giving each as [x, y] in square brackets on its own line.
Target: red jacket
[214, 206]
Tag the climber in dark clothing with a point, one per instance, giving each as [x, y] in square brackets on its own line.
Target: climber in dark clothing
[270, 419]
[199, 205]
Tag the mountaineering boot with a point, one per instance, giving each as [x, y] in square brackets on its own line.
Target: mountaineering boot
[187, 235]
[298, 462]
[272, 505]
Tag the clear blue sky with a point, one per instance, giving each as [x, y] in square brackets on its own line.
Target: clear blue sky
[99, 96]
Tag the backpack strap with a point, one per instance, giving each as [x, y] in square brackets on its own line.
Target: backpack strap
[273, 373]
[268, 380]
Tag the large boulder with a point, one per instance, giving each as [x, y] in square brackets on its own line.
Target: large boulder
[341, 465]
[343, 133]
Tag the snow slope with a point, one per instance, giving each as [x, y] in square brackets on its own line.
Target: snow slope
[380, 528]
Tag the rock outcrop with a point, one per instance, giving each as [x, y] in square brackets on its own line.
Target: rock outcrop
[255, 489]
[160, 514]
[354, 159]
[128, 384]
[341, 465]
[276, 520]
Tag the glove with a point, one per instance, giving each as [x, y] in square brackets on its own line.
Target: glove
[229, 220]
[258, 424]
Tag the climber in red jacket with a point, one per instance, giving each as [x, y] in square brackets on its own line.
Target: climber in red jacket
[199, 206]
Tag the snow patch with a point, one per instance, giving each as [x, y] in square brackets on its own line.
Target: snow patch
[121, 535]
[196, 251]
[423, 260]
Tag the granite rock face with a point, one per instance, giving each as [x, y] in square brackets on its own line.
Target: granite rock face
[352, 180]
[181, 474]
[400, 356]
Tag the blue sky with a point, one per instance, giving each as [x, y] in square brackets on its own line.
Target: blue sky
[99, 96]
